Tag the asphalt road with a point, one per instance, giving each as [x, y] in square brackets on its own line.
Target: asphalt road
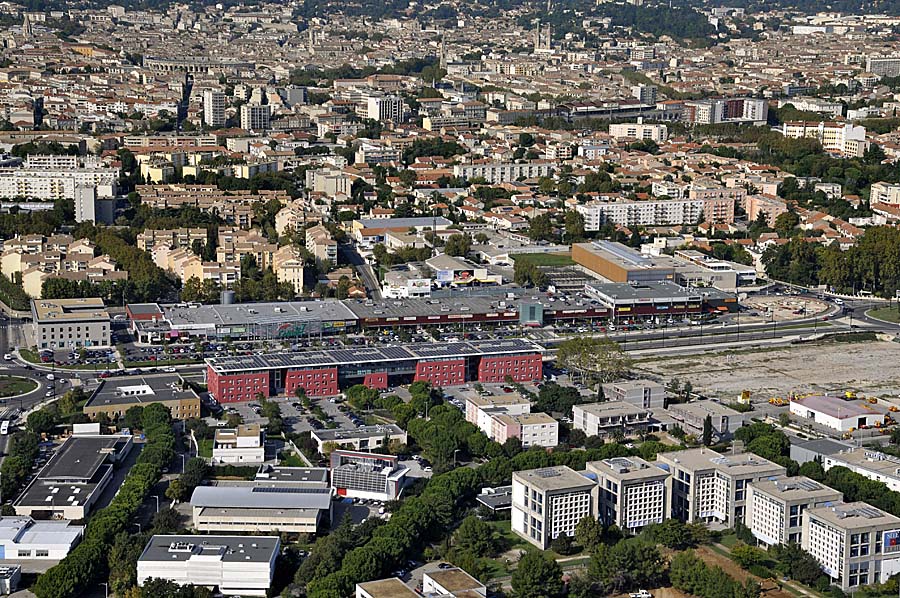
[351, 256]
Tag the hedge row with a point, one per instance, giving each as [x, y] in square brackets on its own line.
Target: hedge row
[86, 565]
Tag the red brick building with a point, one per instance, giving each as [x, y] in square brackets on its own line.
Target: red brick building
[324, 373]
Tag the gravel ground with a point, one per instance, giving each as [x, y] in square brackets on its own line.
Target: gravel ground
[832, 367]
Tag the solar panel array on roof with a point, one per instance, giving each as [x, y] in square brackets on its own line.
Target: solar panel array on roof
[337, 357]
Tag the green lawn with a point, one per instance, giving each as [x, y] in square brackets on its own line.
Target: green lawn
[888, 314]
[287, 459]
[29, 355]
[206, 447]
[729, 540]
[545, 259]
[13, 385]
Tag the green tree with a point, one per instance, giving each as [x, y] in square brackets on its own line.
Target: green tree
[41, 422]
[747, 556]
[574, 226]
[458, 245]
[537, 576]
[594, 359]
[541, 228]
[629, 564]
[475, 536]
[707, 430]
[589, 533]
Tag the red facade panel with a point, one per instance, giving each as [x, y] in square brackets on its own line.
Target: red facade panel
[451, 372]
[377, 380]
[237, 387]
[321, 382]
[522, 368]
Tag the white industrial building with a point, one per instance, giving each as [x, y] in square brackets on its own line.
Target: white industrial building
[242, 565]
[838, 413]
[280, 499]
[25, 538]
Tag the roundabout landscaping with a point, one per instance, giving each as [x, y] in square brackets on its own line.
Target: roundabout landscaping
[11, 386]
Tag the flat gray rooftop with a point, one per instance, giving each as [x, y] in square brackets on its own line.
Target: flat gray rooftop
[256, 313]
[229, 549]
[139, 390]
[364, 432]
[660, 291]
[364, 355]
[260, 497]
[79, 458]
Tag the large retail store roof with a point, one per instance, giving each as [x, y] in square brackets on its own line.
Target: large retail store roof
[337, 357]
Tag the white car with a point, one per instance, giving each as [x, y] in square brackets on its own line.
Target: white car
[640, 594]
[169, 370]
[51, 377]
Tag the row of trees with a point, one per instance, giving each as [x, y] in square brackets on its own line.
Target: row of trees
[87, 563]
[872, 264]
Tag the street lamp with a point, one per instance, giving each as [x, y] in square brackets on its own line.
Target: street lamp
[454, 456]
[157, 502]
[105, 588]
[138, 524]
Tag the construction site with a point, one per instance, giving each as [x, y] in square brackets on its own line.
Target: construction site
[827, 368]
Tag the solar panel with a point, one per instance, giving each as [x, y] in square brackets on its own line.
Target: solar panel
[546, 473]
[289, 490]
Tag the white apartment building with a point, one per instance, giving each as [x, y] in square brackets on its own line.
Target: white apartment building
[255, 117]
[610, 417]
[509, 416]
[503, 172]
[241, 565]
[814, 105]
[243, 445]
[706, 486]
[855, 543]
[642, 393]
[843, 138]
[549, 502]
[385, 108]
[48, 178]
[214, 108]
[775, 507]
[639, 130]
[654, 212]
[887, 193]
[883, 66]
[631, 493]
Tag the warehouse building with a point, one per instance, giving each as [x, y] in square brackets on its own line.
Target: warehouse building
[185, 322]
[74, 478]
[619, 263]
[236, 565]
[324, 373]
[280, 499]
[25, 538]
[116, 395]
[839, 413]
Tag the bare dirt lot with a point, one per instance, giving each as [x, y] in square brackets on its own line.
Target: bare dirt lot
[826, 367]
